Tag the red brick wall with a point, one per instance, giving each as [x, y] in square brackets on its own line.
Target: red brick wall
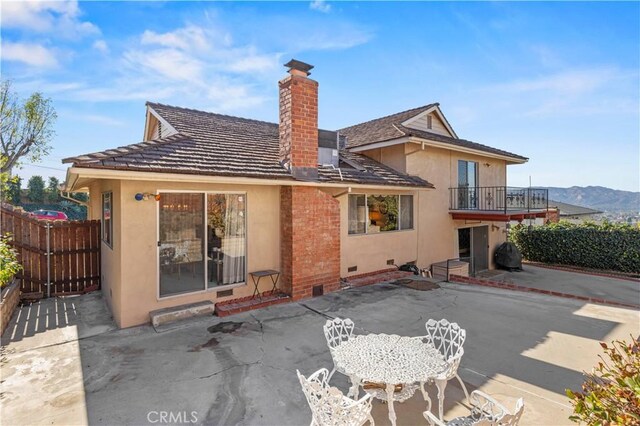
[310, 241]
[299, 122]
[553, 216]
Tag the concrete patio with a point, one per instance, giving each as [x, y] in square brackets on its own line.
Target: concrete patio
[63, 361]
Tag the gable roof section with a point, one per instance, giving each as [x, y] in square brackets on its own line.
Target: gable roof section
[380, 129]
[221, 145]
[435, 109]
[391, 127]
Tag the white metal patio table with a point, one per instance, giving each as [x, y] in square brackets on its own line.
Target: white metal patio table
[391, 360]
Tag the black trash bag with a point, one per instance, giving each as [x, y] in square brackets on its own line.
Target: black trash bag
[508, 257]
[408, 267]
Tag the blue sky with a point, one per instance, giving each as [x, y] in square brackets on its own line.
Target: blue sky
[556, 82]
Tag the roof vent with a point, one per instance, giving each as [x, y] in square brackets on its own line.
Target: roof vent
[298, 68]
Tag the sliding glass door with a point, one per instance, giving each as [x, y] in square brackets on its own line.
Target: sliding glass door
[181, 243]
[202, 241]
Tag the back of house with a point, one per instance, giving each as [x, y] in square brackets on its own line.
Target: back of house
[206, 200]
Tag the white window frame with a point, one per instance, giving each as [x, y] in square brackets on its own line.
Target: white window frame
[206, 245]
[367, 222]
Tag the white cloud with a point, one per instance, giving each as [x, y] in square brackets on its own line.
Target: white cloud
[99, 119]
[170, 63]
[320, 5]
[190, 38]
[101, 46]
[571, 82]
[208, 66]
[586, 91]
[58, 18]
[29, 53]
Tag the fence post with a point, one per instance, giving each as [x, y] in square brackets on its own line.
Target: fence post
[48, 228]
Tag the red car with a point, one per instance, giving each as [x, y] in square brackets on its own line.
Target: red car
[49, 215]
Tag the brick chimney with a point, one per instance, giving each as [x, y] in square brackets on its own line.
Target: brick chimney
[299, 121]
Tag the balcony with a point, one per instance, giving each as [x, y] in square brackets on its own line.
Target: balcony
[498, 203]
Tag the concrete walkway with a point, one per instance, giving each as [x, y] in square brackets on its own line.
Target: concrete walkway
[241, 370]
[585, 285]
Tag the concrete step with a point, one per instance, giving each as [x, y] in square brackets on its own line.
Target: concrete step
[177, 313]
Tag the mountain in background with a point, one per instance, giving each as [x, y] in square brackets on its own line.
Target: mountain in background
[597, 197]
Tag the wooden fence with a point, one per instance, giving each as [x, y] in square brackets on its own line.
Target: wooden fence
[58, 258]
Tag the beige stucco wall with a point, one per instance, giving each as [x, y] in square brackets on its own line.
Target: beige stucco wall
[110, 257]
[370, 252]
[439, 233]
[436, 235]
[133, 277]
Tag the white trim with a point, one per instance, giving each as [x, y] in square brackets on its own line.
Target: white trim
[165, 124]
[441, 116]
[206, 288]
[383, 144]
[436, 144]
[89, 173]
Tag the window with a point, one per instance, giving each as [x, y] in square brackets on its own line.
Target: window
[467, 184]
[429, 122]
[383, 213]
[371, 214]
[107, 222]
[357, 214]
[406, 212]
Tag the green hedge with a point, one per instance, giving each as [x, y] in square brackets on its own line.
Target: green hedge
[612, 247]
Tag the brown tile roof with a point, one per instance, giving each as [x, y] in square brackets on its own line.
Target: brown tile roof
[458, 142]
[222, 145]
[390, 127]
[380, 129]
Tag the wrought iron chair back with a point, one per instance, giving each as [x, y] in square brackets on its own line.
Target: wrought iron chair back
[337, 331]
[447, 337]
[328, 404]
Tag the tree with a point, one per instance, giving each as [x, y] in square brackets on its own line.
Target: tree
[11, 189]
[53, 195]
[36, 189]
[26, 127]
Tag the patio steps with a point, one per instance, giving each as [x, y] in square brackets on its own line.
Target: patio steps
[168, 315]
[245, 304]
[377, 277]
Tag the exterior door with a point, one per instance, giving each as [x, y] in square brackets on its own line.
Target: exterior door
[181, 243]
[480, 248]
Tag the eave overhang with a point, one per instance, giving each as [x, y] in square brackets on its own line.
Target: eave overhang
[78, 178]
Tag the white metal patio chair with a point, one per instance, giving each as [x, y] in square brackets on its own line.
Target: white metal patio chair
[337, 331]
[329, 406]
[485, 411]
[448, 338]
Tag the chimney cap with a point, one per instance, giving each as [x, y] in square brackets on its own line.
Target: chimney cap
[294, 64]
